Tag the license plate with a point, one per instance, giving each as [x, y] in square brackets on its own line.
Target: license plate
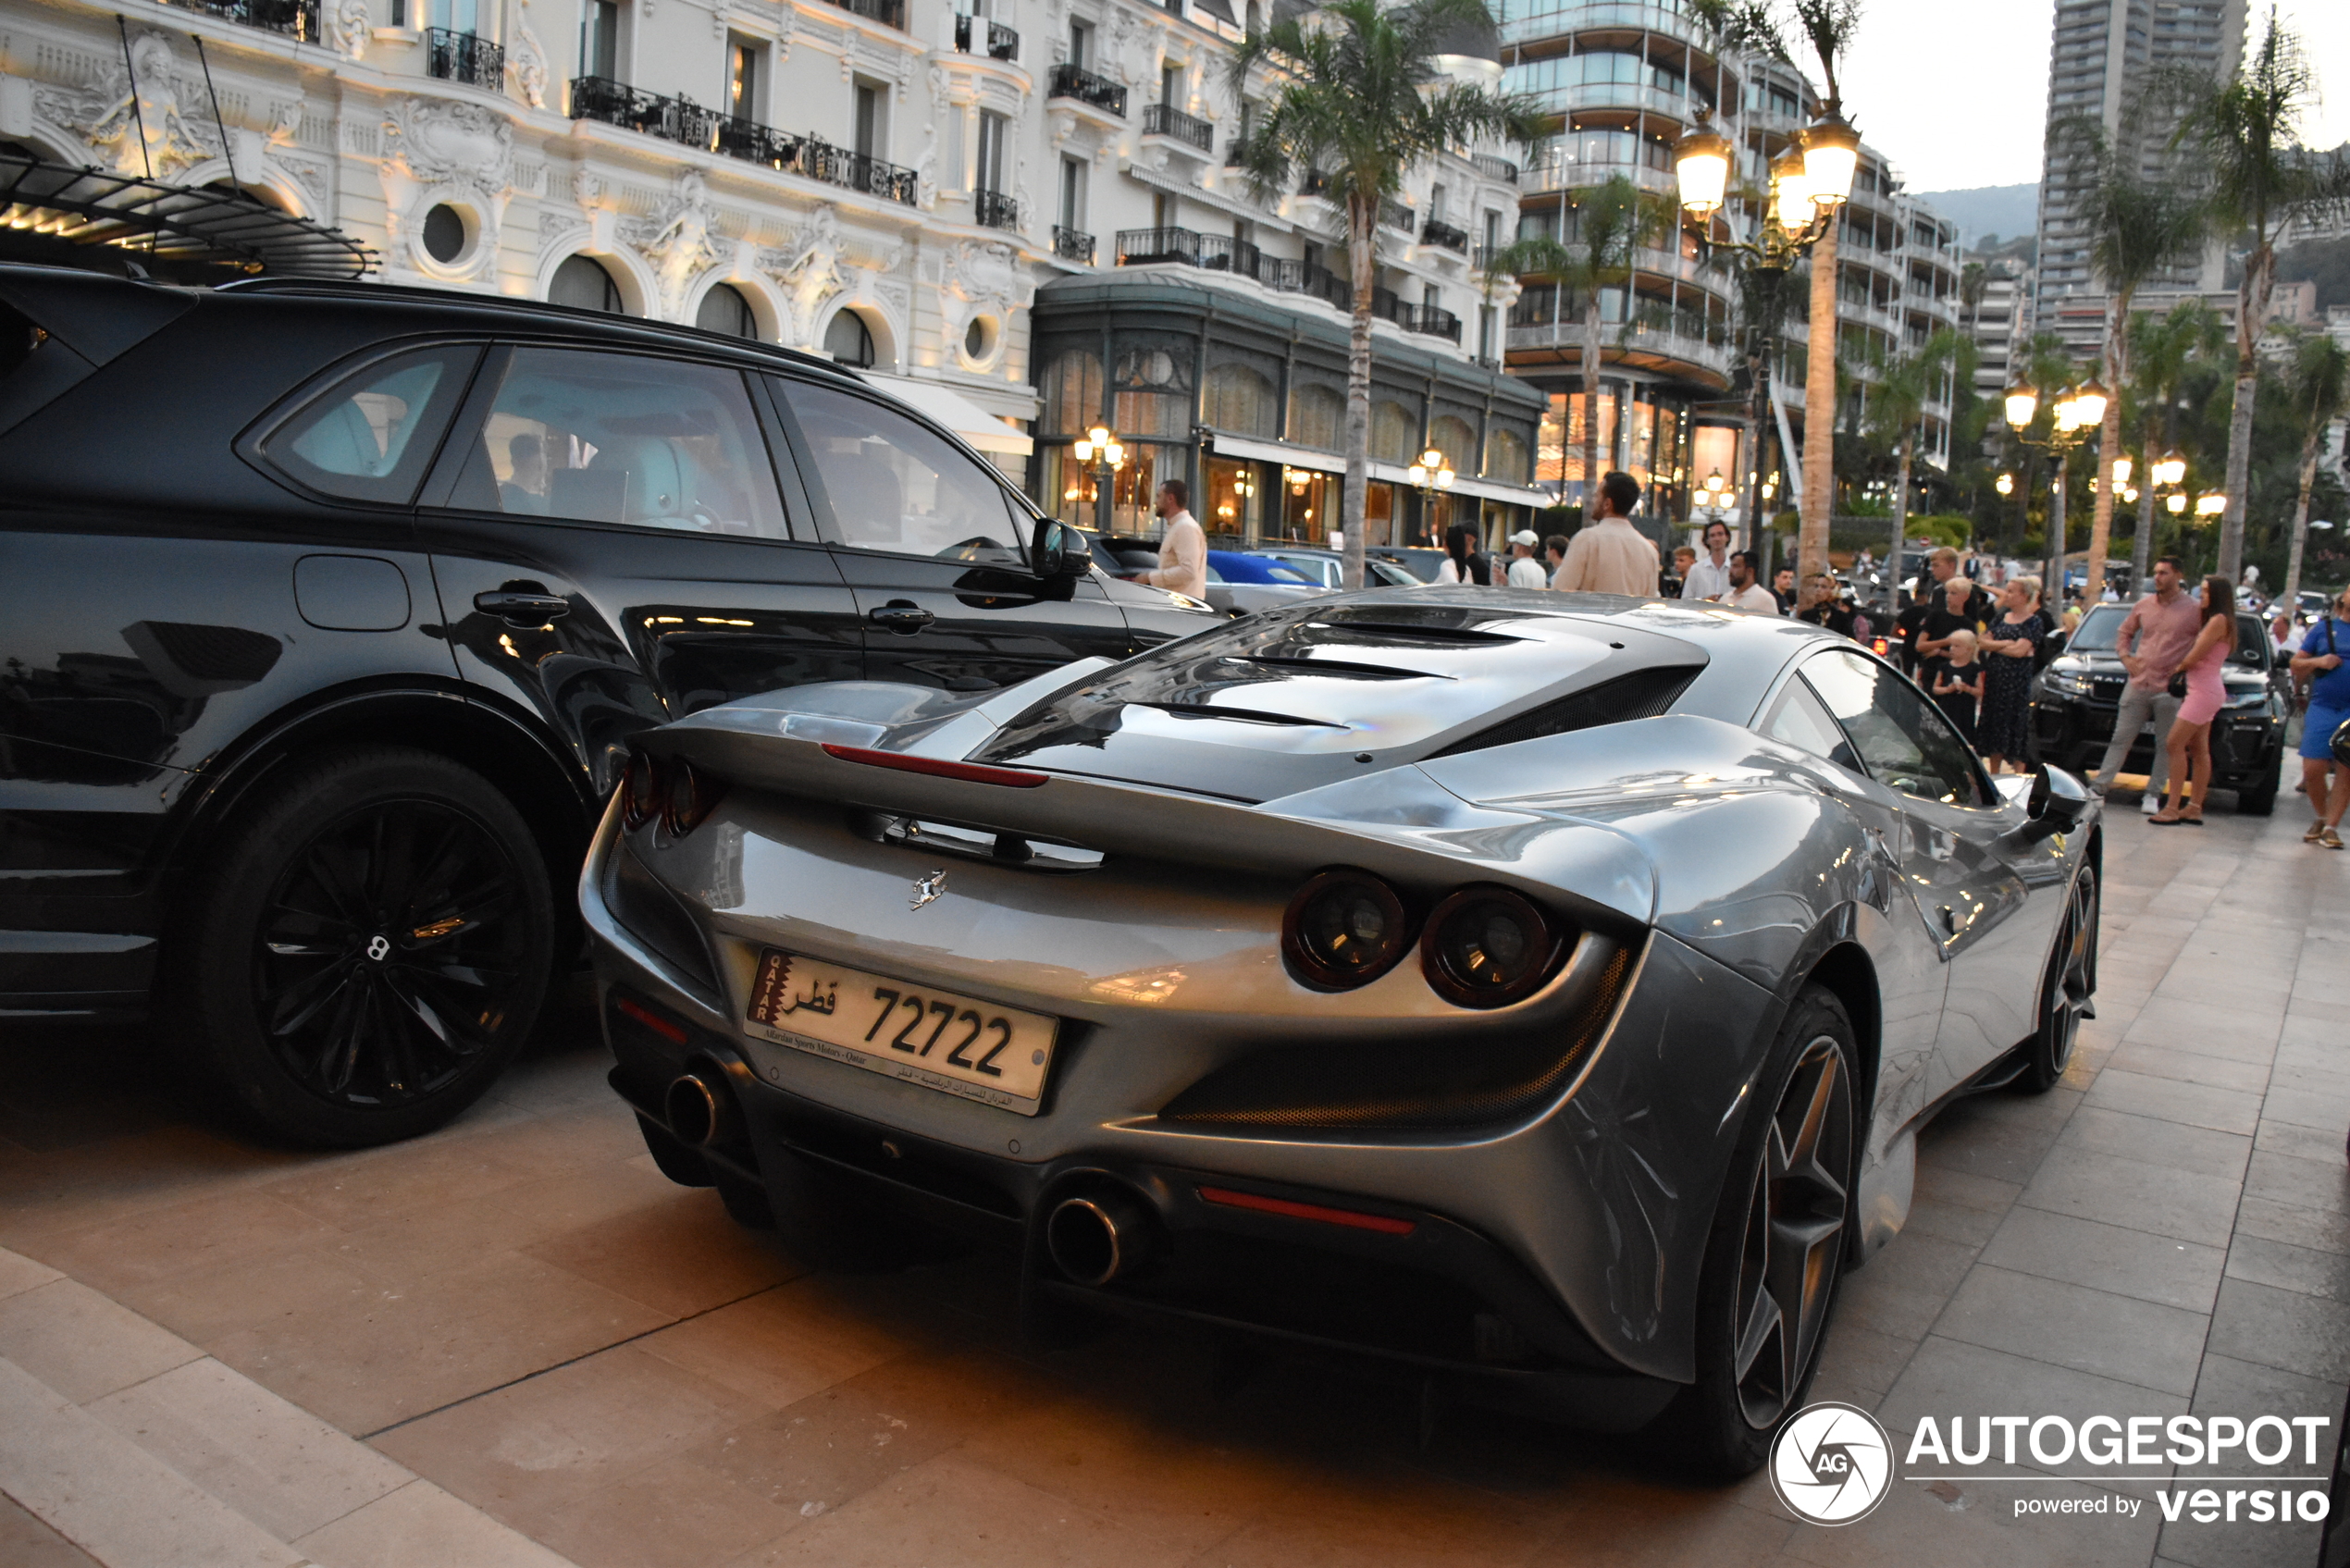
[982, 1051]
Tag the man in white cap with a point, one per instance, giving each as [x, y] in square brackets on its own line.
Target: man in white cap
[1526, 571]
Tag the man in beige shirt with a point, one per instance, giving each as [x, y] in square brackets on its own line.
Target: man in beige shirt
[1182, 550]
[1607, 554]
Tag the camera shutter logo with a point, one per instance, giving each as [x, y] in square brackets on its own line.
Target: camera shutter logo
[1831, 1463]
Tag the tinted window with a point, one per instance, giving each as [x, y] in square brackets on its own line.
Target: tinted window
[1798, 720]
[1903, 740]
[604, 437]
[370, 434]
[893, 484]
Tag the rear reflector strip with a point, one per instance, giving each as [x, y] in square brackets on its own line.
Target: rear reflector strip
[969, 772]
[650, 1019]
[1263, 1205]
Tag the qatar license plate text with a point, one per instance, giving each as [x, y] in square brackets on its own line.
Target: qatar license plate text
[982, 1051]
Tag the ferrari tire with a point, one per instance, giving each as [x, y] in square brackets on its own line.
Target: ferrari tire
[369, 947]
[2066, 986]
[1777, 1251]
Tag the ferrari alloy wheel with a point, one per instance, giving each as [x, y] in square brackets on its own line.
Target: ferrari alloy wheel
[2071, 982]
[376, 944]
[1777, 1249]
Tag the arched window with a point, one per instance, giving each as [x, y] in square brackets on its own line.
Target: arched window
[1456, 440]
[1154, 394]
[582, 281]
[1073, 393]
[1237, 399]
[724, 309]
[1395, 435]
[849, 340]
[1316, 416]
[1505, 457]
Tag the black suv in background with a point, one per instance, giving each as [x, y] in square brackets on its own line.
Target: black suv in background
[2074, 700]
[327, 612]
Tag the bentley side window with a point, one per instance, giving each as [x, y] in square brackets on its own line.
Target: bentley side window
[606, 438]
[895, 486]
[1798, 720]
[370, 434]
[1904, 740]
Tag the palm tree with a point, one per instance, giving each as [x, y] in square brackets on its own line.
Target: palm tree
[2162, 352]
[1611, 221]
[1361, 98]
[2245, 131]
[1829, 26]
[1896, 410]
[2138, 228]
[2319, 381]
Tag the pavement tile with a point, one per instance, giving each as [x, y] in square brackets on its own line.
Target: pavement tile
[1974, 1522]
[2090, 1330]
[781, 1345]
[2191, 1067]
[1900, 1290]
[2107, 1257]
[2300, 1142]
[81, 1344]
[1965, 1190]
[2183, 1204]
[1952, 1221]
[2309, 1184]
[683, 1256]
[456, 1236]
[422, 1526]
[2283, 1329]
[229, 1230]
[1950, 1379]
[2324, 1229]
[206, 1305]
[671, 1514]
[2097, 1130]
[20, 1273]
[1625, 1519]
[2289, 1267]
[2168, 1100]
[2326, 1111]
[26, 1542]
[281, 1467]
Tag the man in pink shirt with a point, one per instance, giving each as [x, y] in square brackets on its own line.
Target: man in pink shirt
[2154, 637]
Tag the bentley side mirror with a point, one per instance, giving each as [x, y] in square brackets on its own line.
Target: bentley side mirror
[1060, 552]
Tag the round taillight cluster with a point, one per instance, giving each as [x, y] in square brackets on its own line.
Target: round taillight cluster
[1482, 946]
[681, 794]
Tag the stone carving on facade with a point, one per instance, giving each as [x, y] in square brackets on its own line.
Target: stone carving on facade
[443, 143]
[354, 29]
[927, 167]
[152, 118]
[526, 61]
[680, 240]
[809, 273]
[560, 234]
[980, 277]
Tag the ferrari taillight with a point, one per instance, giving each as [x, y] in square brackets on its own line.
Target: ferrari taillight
[639, 791]
[1486, 947]
[1345, 928]
[691, 796]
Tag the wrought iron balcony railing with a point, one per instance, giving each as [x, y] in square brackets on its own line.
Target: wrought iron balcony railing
[994, 209]
[1072, 246]
[890, 13]
[295, 18]
[682, 120]
[1222, 253]
[1436, 322]
[1433, 233]
[1076, 81]
[1166, 119]
[975, 35]
[463, 57]
[1395, 215]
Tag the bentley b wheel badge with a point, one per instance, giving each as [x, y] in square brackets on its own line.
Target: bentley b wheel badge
[927, 889]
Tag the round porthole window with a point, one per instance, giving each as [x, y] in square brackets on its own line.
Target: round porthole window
[979, 338]
[444, 233]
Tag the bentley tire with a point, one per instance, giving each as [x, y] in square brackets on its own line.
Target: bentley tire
[1777, 1251]
[2066, 987]
[369, 945]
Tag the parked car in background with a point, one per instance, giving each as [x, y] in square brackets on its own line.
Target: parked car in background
[1422, 563]
[328, 612]
[1241, 584]
[1329, 567]
[2074, 700]
[1539, 993]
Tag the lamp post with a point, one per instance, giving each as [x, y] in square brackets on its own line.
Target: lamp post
[1432, 473]
[1811, 180]
[2078, 410]
[1107, 455]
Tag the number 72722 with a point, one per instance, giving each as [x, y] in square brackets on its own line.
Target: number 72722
[946, 1016]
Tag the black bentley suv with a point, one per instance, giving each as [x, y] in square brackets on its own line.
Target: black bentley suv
[2074, 700]
[327, 611]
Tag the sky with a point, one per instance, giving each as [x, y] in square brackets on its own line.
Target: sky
[1957, 95]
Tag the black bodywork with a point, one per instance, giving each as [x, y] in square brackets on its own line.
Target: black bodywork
[2074, 700]
[181, 619]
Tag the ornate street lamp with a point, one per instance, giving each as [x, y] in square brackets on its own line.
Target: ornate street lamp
[2078, 410]
[2168, 469]
[2005, 485]
[1431, 473]
[1106, 454]
[2176, 501]
[1809, 179]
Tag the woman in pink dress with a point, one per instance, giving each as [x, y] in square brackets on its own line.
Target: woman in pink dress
[2207, 690]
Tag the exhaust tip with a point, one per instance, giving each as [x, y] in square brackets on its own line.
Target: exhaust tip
[1100, 1237]
[699, 1111]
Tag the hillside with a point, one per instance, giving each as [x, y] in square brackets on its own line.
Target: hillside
[2006, 211]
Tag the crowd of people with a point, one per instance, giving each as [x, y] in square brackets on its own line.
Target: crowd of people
[1974, 650]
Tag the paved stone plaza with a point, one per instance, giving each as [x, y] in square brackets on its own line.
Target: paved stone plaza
[516, 1342]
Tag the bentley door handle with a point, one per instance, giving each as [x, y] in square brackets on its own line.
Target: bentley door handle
[901, 617]
[522, 609]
